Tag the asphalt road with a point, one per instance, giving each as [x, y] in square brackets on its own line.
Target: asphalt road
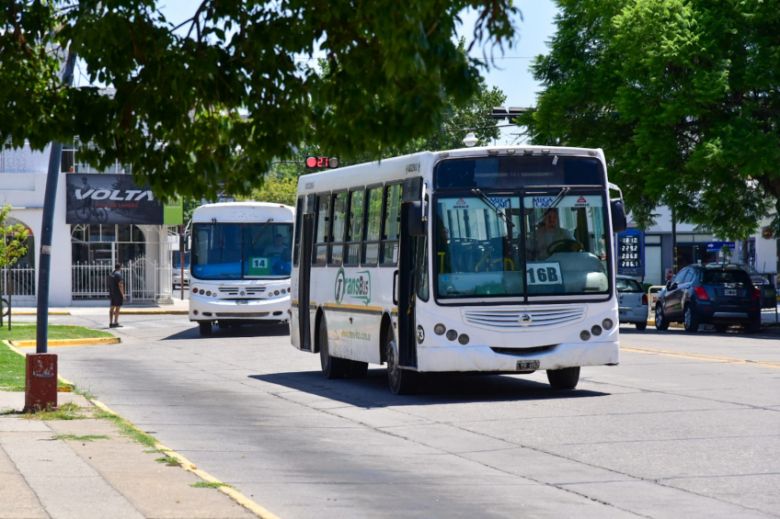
[687, 425]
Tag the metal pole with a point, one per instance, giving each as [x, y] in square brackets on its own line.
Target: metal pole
[47, 225]
[181, 260]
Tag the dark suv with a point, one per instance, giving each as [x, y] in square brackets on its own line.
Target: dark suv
[716, 294]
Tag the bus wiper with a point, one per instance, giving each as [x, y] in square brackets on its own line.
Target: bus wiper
[501, 214]
[557, 200]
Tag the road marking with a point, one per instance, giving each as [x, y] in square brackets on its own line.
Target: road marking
[707, 358]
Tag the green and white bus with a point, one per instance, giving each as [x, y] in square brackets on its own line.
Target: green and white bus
[493, 259]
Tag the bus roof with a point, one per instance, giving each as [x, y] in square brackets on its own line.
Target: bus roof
[420, 164]
[243, 212]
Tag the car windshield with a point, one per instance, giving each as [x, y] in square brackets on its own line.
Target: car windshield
[723, 277]
[498, 244]
[241, 251]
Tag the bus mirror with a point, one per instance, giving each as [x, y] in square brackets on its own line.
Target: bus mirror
[412, 190]
[618, 216]
[413, 216]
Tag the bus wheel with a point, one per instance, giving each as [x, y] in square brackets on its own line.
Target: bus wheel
[565, 378]
[332, 367]
[401, 381]
[205, 328]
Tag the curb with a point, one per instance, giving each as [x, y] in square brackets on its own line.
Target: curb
[187, 465]
[33, 312]
[152, 311]
[87, 341]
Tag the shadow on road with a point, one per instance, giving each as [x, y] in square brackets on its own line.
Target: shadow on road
[438, 388]
[245, 330]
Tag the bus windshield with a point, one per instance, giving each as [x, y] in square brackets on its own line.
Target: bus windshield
[549, 242]
[241, 250]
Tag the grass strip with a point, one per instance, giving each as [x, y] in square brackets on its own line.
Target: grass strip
[81, 438]
[28, 331]
[12, 368]
[210, 484]
[128, 429]
[67, 411]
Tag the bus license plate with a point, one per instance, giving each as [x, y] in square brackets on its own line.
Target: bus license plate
[527, 365]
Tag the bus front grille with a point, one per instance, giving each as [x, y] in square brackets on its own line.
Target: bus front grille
[242, 314]
[244, 291]
[519, 319]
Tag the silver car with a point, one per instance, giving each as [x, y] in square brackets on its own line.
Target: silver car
[632, 302]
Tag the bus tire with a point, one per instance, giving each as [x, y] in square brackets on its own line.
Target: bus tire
[204, 327]
[566, 378]
[332, 367]
[400, 381]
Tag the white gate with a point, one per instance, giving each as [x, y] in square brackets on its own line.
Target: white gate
[143, 280]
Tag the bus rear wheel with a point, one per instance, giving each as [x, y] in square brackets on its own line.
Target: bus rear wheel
[332, 367]
[566, 378]
[400, 381]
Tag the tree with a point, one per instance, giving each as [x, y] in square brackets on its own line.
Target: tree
[681, 94]
[281, 182]
[13, 244]
[209, 105]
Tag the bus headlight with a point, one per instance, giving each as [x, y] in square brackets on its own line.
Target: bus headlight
[463, 339]
[607, 324]
[439, 329]
[452, 335]
[584, 335]
[595, 330]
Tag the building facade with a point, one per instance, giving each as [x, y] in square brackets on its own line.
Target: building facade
[100, 218]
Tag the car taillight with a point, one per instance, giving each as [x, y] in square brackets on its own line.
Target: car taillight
[644, 299]
[701, 294]
[756, 294]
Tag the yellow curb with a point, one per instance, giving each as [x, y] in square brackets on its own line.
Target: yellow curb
[87, 341]
[697, 356]
[187, 465]
[33, 312]
[154, 312]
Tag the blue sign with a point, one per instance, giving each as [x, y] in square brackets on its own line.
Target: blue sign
[631, 253]
[716, 246]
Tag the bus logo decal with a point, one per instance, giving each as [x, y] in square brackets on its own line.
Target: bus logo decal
[357, 287]
[525, 319]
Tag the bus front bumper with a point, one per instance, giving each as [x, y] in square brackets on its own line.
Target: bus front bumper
[209, 309]
[484, 358]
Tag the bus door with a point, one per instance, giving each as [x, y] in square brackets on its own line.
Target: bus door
[304, 273]
[411, 229]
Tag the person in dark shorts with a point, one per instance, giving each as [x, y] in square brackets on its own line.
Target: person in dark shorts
[116, 293]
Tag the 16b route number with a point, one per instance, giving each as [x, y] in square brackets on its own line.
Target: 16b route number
[543, 274]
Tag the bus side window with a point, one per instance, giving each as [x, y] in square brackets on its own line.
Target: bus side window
[337, 235]
[392, 214]
[373, 226]
[298, 222]
[355, 227]
[322, 236]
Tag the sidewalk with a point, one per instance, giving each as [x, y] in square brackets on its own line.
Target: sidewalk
[179, 307]
[86, 468]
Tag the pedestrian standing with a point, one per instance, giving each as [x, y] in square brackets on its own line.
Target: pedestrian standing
[116, 294]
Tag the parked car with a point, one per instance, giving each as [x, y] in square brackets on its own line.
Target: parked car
[718, 294]
[632, 302]
[768, 291]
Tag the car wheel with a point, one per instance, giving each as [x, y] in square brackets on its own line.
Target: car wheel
[660, 320]
[690, 320]
[641, 326]
[332, 367]
[566, 378]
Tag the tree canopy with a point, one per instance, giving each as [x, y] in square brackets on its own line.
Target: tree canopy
[208, 105]
[684, 97]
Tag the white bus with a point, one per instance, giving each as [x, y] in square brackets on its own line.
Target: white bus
[495, 259]
[240, 263]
